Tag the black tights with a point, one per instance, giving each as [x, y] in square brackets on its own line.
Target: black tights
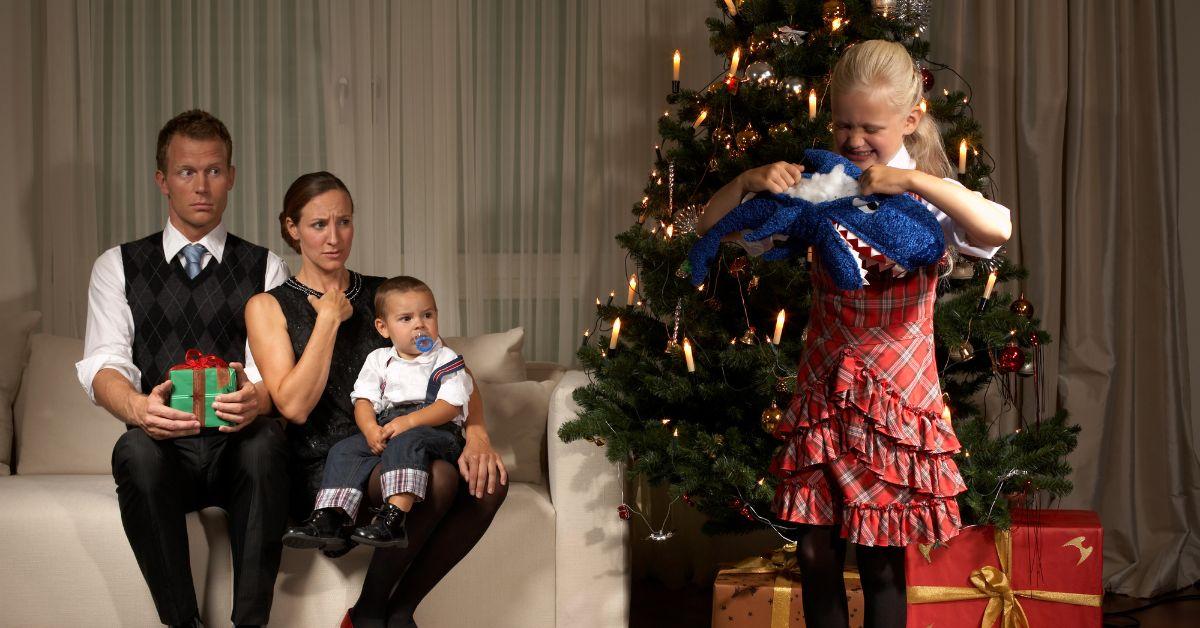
[821, 554]
[441, 530]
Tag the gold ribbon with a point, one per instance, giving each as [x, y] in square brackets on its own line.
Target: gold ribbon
[782, 563]
[993, 584]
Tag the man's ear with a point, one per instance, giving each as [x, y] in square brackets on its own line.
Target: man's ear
[160, 180]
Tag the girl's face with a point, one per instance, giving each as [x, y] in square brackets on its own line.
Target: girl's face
[326, 230]
[869, 130]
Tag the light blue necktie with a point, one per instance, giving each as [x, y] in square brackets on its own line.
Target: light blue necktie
[193, 253]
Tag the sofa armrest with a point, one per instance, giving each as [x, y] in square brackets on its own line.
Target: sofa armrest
[592, 543]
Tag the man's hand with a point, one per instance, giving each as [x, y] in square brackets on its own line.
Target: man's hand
[239, 407]
[376, 440]
[159, 420]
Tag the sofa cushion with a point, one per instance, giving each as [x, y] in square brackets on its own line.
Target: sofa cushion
[58, 430]
[493, 357]
[66, 561]
[14, 346]
[507, 580]
[516, 423]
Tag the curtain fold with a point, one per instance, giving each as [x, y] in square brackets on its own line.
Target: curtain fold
[1078, 104]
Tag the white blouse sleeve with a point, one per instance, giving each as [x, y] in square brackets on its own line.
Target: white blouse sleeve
[957, 236]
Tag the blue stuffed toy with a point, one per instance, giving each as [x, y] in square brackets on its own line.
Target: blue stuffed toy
[851, 233]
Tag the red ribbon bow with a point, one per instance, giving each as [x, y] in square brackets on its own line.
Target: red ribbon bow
[194, 359]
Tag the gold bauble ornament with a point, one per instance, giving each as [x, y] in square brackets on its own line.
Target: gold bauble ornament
[750, 337]
[1022, 307]
[962, 352]
[747, 137]
[779, 129]
[771, 418]
[722, 137]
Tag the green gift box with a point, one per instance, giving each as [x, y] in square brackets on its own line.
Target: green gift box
[195, 387]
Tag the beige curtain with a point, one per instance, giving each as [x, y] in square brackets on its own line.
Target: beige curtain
[1077, 101]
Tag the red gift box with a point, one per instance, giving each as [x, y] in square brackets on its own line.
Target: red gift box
[1045, 571]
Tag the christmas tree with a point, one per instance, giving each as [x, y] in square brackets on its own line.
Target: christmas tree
[687, 383]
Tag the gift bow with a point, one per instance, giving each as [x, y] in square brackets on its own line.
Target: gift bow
[782, 563]
[992, 583]
[196, 360]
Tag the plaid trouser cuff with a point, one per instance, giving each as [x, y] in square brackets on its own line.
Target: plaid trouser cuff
[347, 499]
[404, 481]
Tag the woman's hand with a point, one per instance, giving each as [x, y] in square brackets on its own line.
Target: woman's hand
[481, 466]
[774, 178]
[333, 305]
[879, 179]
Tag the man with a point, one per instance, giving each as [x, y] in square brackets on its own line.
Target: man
[150, 301]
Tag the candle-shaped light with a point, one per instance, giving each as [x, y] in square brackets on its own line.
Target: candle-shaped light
[632, 289]
[675, 66]
[924, 106]
[962, 157]
[991, 283]
[946, 413]
[612, 343]
[812, 104]
[687, 355]
[670, 231]
[731, 7]
[778, 328]
[733, 62]
[808, 255]
[700, 118]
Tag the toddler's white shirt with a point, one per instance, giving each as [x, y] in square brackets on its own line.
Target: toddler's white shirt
[387, 379]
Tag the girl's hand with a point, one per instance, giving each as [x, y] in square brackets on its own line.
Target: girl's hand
[332, 304]
[774, 178]
[880, 179]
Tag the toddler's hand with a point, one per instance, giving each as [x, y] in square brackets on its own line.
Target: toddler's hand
[376, 439]
[774, 178]
[880, 179]
[396, 426]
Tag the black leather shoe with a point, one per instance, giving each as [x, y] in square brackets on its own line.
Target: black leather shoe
[385, 530]
[326, 529]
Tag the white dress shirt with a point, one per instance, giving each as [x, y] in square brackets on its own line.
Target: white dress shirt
[108, 341]
[955, 234]
[402, 380]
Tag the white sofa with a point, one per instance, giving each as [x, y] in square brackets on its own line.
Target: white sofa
[556, 554]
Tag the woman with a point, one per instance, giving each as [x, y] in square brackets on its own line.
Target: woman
[309, 337]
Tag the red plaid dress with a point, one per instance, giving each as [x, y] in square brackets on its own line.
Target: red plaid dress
[865, 445]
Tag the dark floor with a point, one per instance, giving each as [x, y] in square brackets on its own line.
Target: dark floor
[656, 606]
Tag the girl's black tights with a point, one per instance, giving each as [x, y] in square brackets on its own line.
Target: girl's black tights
[821, 554]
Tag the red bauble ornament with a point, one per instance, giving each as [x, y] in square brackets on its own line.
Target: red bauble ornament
[623, 512]
[1011, 358]
[1033, 339]
[926, 79]
[735, 503]
[745, 512]
[687, 499]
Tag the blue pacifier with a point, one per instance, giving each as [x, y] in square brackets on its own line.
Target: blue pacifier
[424, 343]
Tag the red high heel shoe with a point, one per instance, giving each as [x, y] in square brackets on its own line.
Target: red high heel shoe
[347, 621]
